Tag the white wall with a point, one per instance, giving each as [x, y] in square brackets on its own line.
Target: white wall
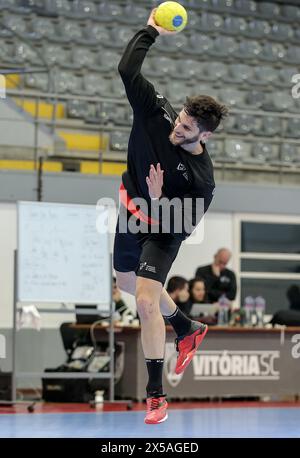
[217, 233]
[8, 243]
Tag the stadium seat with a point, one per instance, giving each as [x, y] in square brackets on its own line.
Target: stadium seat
[248, 49]
[262, 152]
[269, 10]
[215, 71]
[7, 55]
[272, 52]
[99, 33]
[77, 108]
[67, 82]
[59, 7]
[210, 22]
[284, 76]
[109, 12]
[292, 128]
[83, 57]
[117, 89]
[239, 73]
[106, 61]
[188, 69]
[176, 91]
[133, 14]
[263, 75]
[26, 53]
[119, 141]
[95, 84]
[223, 47]
[168, 44]
[56, 55]
[237, 150]
[282, 32]
[241, 124]
[37, 81]
[159, 67]
[278, 101]
[234, 25]
[84, 9]
[15, 23]
[292, 55]
[270, 126]
[224, 6]
[120, 37]
[199, 45]
[245, 7]
[233, 97]
[45, 28]
[289, 153]
[215, 148]
[290, 13]
[257, 29]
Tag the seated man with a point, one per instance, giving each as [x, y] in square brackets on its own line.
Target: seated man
[218, 279]
[178, 289]
[291, 316]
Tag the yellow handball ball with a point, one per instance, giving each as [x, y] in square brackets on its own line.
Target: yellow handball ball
[171, 16]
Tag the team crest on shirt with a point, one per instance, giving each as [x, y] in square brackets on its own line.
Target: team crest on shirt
[182, 168]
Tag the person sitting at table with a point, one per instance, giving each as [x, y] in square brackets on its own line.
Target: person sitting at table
[291, 316]
[219, 280]
[197, 290]
[178, 289]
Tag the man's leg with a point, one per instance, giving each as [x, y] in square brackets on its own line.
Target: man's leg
[190, 333]
[182, 325]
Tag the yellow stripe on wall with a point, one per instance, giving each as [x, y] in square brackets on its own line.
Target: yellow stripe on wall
[83, 142]
[108, 168]
[48, 166]
[12, 81]
[45, 110]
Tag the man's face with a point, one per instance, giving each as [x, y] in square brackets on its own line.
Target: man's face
[198, 291]
[222, 259]
[186, 130]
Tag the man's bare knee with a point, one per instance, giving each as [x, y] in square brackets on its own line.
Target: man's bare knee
[146, 307]
[126, 282]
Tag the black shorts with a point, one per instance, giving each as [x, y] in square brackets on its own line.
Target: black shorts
[148, 255]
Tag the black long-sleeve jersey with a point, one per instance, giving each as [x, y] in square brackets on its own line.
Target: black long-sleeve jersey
[185, 174]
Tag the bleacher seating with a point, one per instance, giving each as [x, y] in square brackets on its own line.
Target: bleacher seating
[242, 52]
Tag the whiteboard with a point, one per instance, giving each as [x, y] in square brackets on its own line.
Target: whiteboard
[61, 255]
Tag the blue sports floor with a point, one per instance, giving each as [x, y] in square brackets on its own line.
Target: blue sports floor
[220, 422]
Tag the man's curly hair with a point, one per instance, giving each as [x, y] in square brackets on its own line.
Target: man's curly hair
[206, 110]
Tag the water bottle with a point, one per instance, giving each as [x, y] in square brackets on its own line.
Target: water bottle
[260, 307]
[223, 311]
[249, 307]
[99, 399]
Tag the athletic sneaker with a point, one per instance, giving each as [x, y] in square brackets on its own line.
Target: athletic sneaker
[156, 410]
[187, 347]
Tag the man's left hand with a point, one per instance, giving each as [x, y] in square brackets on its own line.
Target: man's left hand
[155, 181]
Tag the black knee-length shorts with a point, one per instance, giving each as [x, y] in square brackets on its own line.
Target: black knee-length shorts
[148, 255]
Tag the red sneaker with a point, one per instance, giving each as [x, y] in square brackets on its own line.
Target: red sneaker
[156, 410]
[188, 346]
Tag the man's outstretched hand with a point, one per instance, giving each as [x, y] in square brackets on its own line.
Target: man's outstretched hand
[155, 181]
[161, 30]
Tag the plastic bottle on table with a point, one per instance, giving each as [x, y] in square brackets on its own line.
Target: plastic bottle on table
[223, 311]
[249, 307]
[260, 307]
